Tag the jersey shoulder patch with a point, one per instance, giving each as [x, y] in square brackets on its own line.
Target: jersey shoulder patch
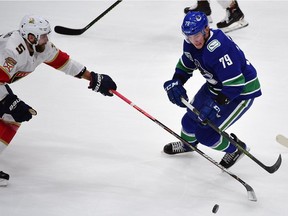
[189, 56]
[213, 45]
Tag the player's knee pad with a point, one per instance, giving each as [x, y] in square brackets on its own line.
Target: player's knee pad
[189, 123]
[207, 136]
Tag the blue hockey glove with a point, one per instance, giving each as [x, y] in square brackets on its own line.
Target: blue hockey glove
[13, 106]
[102, 83]
[209, 110]
[175, 91]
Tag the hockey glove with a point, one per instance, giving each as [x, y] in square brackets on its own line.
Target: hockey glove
[102, 83]
[209, 110]
[175, 91]
[16, 108]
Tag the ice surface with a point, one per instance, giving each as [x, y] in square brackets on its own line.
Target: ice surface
[86, 154]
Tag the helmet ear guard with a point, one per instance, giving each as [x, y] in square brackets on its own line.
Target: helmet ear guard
[193, 23]
[35, 25]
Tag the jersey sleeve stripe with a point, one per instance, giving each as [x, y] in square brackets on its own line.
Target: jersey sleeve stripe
[59, 61]
[4, 75]
[235, 81]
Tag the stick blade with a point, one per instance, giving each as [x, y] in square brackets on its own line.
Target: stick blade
[281, 139]
[275, 166]
[251, 195]
[68, 31]
[250, 191]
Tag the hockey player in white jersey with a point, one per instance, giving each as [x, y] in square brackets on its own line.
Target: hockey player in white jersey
[21, 51]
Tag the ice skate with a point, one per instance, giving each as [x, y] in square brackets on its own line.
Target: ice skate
[4, 178]
[176, 148]
[230, 159]
[203, 6]
[234, 19]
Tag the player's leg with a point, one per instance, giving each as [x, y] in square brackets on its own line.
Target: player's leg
[229, 115]
[193, 131]
[189, 124]
[7, 132]
[187, 133]
[13, 111]
[234, 18]
[203, 6]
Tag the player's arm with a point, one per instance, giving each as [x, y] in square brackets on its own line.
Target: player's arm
[183, 71]
[185, 66]
[98, 82]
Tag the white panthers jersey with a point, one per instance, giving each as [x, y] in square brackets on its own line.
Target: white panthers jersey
[16, 62]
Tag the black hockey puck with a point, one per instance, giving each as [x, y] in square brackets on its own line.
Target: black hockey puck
[215, 208]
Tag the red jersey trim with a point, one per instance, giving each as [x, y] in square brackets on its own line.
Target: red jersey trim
[4, 75]
[60, 59]
[8, 131]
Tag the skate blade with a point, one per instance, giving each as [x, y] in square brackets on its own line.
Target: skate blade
[235, 26]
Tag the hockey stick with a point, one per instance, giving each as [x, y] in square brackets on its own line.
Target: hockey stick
[282, 140]
[250, 191]
[70, 31]
[270, 169]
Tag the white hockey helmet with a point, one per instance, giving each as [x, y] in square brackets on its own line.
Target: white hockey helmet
[33, 24]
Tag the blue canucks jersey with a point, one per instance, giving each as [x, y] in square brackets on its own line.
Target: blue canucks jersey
[224, 66]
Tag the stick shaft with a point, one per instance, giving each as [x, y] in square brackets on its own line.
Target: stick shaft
[70, 31]
[103, 14]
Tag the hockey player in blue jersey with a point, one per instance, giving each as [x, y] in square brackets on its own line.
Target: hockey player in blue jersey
[229, 91]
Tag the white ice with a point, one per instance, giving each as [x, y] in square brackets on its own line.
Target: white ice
[86, 154]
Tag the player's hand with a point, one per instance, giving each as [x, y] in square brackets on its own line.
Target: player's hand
[209, 110]
[175, 91]
[16, 109]
[102, 83]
